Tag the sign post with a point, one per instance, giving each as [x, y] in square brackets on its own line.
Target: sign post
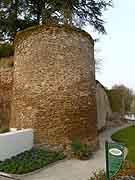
[107, 161]
[114, 158]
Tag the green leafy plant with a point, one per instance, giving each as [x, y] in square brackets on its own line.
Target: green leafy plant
[29, 161]
[6, 50]
[4, 131]
[80, 150]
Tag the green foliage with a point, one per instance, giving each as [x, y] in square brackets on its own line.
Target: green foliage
[14, 16]
[6, 50]
[80, 12]
[126, 136]
[115, 100]
[4, 131]
[29, 161]
[19, 14]
[80, 150]
[120, 98]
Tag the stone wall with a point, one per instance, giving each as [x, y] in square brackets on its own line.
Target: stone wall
[6, 82]
[6, 62]
[104, 111]
[54, 89]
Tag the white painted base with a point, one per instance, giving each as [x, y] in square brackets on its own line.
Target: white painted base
[15, 142]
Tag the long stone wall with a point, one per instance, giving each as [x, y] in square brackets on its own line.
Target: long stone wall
[54, 89]
[6, 83]
[104, 112]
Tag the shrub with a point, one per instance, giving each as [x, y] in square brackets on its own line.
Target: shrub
[6, 50]
[29, 161]
[80, 150]
[4, 131]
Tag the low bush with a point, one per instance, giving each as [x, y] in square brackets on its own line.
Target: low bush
[4, 131]
[6, 50]
[29, 161]
[80, 150]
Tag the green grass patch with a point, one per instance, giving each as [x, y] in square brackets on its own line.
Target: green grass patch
[30, 161]
[127, 136]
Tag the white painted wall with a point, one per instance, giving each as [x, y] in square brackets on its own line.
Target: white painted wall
[15, 142]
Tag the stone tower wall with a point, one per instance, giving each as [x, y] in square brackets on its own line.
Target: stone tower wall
[54, 88]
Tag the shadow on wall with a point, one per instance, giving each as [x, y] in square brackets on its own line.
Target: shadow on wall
[4, 121]
[6, 83]
[6, 62]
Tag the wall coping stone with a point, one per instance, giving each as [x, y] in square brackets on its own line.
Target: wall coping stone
[34, 29]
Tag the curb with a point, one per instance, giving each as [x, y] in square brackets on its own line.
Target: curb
[18, 177]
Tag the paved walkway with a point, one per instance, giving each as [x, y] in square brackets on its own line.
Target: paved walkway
[4, 178]
[76, 169]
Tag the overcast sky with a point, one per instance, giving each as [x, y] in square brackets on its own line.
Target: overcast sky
[118, 46]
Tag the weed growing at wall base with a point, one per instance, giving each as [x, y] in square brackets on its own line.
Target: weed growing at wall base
[80, 150]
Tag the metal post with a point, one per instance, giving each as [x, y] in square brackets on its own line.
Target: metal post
[107, 161]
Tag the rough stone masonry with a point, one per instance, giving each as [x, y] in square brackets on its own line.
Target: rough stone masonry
[54, 90]
[6, 83]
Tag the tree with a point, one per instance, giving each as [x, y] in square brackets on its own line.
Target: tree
[81, 12]
[13, 18]
[44, 10]
[16, 15]
[133, 104]
[121, 98]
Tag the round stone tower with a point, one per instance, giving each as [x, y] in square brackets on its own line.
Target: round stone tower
[54, 89]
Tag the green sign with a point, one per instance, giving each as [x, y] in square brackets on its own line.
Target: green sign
[114, 158]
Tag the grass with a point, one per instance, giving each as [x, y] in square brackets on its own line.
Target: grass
[30, 161]
[127, 136]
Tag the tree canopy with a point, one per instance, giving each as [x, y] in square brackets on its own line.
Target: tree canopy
[16, 15]
[121, 98]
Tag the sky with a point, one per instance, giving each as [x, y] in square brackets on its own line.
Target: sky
[117, 48]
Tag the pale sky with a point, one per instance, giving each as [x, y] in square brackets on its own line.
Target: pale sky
[118, 46]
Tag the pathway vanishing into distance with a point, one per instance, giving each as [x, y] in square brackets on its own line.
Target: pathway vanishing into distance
[76, 169]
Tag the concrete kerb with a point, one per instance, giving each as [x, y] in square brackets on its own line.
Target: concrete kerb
[20, 176]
